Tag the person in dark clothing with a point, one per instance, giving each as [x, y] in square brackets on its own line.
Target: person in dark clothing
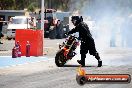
[59, 30]
[1, 25]
[87, 42]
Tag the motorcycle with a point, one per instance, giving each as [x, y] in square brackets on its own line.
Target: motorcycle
[66, 50]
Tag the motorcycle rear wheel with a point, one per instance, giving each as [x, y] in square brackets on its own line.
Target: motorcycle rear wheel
[60, 58]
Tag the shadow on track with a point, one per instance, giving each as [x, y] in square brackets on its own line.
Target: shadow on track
[77, 66]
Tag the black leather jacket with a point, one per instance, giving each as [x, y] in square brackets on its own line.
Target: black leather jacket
[87, 42]
[84, 32]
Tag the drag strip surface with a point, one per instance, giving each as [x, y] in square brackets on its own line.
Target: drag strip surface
[45, 74]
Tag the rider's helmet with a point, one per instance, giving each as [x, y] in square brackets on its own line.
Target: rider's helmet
[76, 19]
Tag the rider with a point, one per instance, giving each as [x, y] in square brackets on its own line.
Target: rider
[87, 42]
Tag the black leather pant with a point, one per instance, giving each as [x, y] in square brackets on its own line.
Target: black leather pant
[83, 56]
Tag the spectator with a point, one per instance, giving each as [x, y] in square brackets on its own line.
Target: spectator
[1, 25]
[59, 30]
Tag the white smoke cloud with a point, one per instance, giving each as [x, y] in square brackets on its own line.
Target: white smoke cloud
[113, 21]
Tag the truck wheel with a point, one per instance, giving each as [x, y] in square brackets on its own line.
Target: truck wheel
[9, 38]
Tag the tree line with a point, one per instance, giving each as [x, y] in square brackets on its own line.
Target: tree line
[31, 5]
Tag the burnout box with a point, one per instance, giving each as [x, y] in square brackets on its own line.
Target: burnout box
[35, 38]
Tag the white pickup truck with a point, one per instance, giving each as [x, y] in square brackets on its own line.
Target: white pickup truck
[19, 22]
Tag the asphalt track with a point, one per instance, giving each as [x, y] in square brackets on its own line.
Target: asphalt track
[45, 74]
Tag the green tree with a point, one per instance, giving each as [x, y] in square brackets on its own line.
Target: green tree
[32, 7]
[5, 5]
[21, 4]
[57, 4]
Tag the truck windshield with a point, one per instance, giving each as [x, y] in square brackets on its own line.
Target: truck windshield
[19, 21]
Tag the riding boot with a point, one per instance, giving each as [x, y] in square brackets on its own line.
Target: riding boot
[99, 60]
[82, 61]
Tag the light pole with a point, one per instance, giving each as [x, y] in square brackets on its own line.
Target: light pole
[42, 22]
[42, 15]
